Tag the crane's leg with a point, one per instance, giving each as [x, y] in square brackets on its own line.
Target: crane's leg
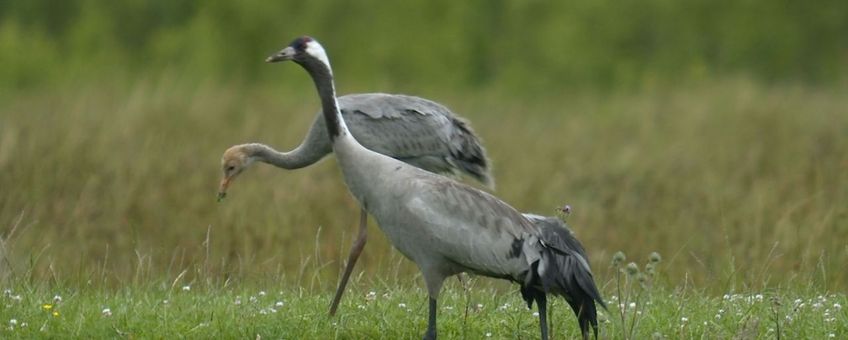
[542, 302]
[355, 250]
[431, 321]
[434, 278]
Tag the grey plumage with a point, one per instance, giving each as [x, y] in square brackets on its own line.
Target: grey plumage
[446, 227]
[415, 130]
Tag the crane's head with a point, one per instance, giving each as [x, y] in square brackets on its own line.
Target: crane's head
[234, 161]
[301, 50]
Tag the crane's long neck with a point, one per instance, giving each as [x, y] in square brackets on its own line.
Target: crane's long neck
[307, 153]
[322, 75]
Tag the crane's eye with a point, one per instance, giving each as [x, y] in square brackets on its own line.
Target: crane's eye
[230, 168]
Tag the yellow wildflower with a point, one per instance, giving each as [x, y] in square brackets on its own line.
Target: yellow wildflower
[56, 313]
[47, 306]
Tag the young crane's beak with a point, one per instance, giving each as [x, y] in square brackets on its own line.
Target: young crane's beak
[284, 54]
[222, 189]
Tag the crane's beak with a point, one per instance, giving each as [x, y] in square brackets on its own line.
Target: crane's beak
[222, 189]
[284, 54]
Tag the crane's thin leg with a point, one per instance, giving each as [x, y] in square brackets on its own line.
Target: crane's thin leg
[431, 322]
[434, 278]
[355, 250]
[542, 303]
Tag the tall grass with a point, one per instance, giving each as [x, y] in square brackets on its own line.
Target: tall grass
[739, 185]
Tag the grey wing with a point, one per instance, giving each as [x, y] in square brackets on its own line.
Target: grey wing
[417, 131]
[475, 229]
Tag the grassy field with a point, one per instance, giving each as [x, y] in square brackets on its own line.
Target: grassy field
[107, 198]
[176, 309]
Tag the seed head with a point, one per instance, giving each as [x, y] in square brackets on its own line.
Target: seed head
[655, 257]
[618, 258]
[632, 268]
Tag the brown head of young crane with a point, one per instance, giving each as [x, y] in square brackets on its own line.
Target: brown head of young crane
[446, 227]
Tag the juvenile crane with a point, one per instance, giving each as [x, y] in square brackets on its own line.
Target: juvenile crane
[415, 130]
[446, 227]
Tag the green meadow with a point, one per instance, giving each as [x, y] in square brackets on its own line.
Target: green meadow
[690, 130]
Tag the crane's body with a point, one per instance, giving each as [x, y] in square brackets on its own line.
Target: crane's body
[446, 227]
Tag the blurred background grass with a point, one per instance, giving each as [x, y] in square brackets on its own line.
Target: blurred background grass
[713, 132]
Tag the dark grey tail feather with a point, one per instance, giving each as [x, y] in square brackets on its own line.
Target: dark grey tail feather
[567, 273]
[469, 155]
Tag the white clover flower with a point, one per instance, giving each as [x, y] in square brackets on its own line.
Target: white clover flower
[13, 322]
[632, 305]
[263, 311]
[7, 292]
[817, 305]
[371, 296]
[488, 334]
[17, 298]
[401, 305]
[798, 301]
[261, 293]
[279, 304]
[252, 299]
[837, 306]
[106, 312]
[718, 316]
[831, 335]
[186, 288]
[57, 298]
[684, 319]
[23, 324]
[165, 302]
[789, 318]
[360, 306]
[721, 311]
[613, 298]
[237, 301]
[479, 306]
[449, 307]
[536, 314]
[726, 296]
[759, 297]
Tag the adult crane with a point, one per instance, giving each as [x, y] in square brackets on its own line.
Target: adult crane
[446, 227]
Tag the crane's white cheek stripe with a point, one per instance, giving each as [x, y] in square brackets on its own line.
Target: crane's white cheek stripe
[314, 49]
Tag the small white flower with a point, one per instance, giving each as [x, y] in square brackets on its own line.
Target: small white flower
[504, 307]
[57, 299]
[165, 302]
[789, 318]
[17, 298]
[7, 292]
[798, 301]
[817, 305]
[261, 293]
[759, 297]
[279, 304]
[705, 323]
[721, 311]
[13, 322]
[23, 324]
[770, 330]
[837, 306]
[106, 312]
[638, 312]
[401, 305]
[263, 311]
[831, 335]
[371, 296]
[449, 307]
[360, 306]
[613, 298]
[488, 334]
[479, 306]
[632, 305]
[252, 299]
[536, 314]
[718, 316]
[186, 288]
[726, 296]
[684, 319]
[237, 301]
